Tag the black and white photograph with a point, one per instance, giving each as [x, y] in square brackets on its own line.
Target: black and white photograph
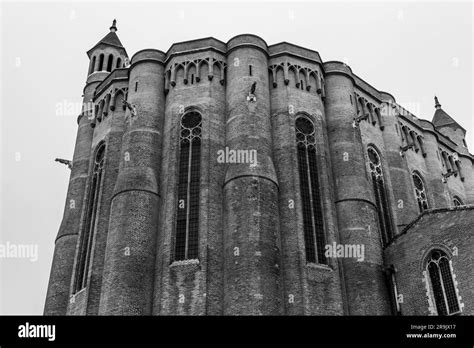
[192, 166]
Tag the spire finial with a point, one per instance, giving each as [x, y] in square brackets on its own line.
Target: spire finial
[437, 104]
[113, 28]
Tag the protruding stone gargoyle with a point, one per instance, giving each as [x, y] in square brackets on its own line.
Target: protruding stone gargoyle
[404, 149]
[359, 119]
[251, 96]
[66, 162]
[447, 175]
[132, 108]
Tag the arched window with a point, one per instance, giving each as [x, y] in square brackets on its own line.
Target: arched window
[119, 63]
[442, 284]
[380, 193]
[92, 66]
[109, 63]
[87, 233]
[187, 221]
[313, 223]
[457, 201]
[101, 62]
[420, 192]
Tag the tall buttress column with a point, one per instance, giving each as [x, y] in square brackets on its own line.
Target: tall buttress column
[251, 222]
[356, 211]
[404, 206]
[65, 246]
[127, 287]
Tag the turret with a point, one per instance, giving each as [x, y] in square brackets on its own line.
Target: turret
[59, 287]
[446, 125]
[355, 203]
[108, 54]
[251, 232]
[127, 286]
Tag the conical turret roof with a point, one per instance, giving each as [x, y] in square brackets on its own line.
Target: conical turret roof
[111, 39]
[441, 117]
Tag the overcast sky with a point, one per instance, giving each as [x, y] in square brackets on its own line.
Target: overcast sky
[411, 50]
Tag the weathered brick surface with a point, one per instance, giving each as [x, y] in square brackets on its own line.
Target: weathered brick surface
[447, 229]
[251, 257]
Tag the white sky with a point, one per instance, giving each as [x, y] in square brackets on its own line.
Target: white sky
[411, 50]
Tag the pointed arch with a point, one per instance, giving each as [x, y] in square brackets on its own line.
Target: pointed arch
[179, 74]
[280, 75]
[301, 81]
[84, 252]
[292, 75]
[447, 164]
[451, 163]
[414, 140]
[420, 192]
[422, 145]
[443, 289]
[457, 202]
[312, 209]
[118, 65]
[187, 218]
[380, 193]
[191, 74]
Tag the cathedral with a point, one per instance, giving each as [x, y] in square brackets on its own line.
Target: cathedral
[241, 178]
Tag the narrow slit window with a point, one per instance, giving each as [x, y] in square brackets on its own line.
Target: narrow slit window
[109, 63]
[381, 197]
[101, 62]
[87, 233]
[250, 70]
[313, 221]
[187, 220]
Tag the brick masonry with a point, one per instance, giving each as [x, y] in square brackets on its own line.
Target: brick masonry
[254, 210]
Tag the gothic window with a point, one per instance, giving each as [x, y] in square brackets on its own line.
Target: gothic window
[87, 233]
[420, 192]
[119, 63]
[457, 201]
[442, 284]
[187, 221]
[380, 193]
[313, 225]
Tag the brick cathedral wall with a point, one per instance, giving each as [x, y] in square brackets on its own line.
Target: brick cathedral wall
[447, 230]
